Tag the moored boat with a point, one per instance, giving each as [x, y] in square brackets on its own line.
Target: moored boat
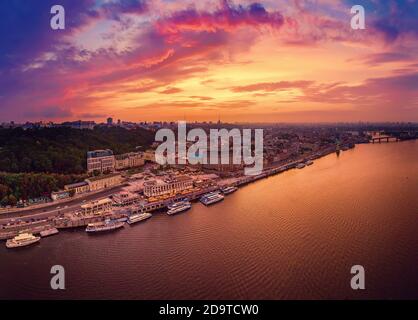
[107, 225]
[139, 217]
[49, 232]
[229, 190]
[22, 240]
[211, 198]
[301, 166]
[179, 207]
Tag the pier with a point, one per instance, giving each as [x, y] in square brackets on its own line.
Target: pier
[385, 139]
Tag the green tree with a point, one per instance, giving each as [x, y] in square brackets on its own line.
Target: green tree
[12, 200]
[63, 150]
[4, 190]
[5, 201]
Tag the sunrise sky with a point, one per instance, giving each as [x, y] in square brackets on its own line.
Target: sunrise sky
[271, 61]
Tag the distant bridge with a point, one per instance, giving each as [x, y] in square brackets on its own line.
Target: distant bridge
[394, 136]
[384, 139]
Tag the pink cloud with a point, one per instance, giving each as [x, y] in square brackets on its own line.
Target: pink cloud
[226, 18]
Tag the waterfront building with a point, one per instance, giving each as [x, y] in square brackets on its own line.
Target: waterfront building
[205, 181]
[60, 195]
[223, 167]
[100, 161]
[125, 198]
[103, 182]
[149, 155]
[77, 188]
[159, 187]
[129, 160]
[96, 207]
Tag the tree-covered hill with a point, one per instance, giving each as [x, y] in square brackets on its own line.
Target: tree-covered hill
[25, 186]
[63, 150]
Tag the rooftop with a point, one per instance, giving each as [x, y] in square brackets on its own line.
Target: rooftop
[96, 203]
[128, 155]
[99, 153]
[159, 181]
[98, 178]
[75, 185]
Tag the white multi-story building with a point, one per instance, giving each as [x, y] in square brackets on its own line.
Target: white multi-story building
[96, 207]
[149, 155]
[125, 198]
[129, 160]
[104, 182]
[174, 185]
[77, 188]
[101, 161]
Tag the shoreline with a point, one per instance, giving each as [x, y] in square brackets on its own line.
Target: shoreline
[239, 182]
[158, 206]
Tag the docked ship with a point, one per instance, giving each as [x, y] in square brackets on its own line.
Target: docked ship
[107, 225]
[309, 162]
[22, 240]
[123, 219]
[139, 217]
[301, 166]
[178, 207]
[229, 190]
[49, 232]
[211, 198]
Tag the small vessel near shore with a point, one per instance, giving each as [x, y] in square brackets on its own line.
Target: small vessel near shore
[48, 232]
[211, 198]
[309, 162]
[229, 190]
[178, 207]
[107, 225]
[301, 166]
[139, 217]
[22, 240]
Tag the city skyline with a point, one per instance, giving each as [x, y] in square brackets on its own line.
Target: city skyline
[272, 61]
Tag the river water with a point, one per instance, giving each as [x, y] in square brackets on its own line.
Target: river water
[291, 236]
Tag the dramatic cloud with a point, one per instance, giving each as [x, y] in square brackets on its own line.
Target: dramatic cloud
[387, 57]
[118, 56]
[273, 86]
[391, 19]
[171, 90]
[226, 18]
[54, 112]
[115, 8]
[399, 89]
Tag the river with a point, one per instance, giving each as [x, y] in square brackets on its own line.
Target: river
[291, 236]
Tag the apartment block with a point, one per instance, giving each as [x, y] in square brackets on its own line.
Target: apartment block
[101, 161]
